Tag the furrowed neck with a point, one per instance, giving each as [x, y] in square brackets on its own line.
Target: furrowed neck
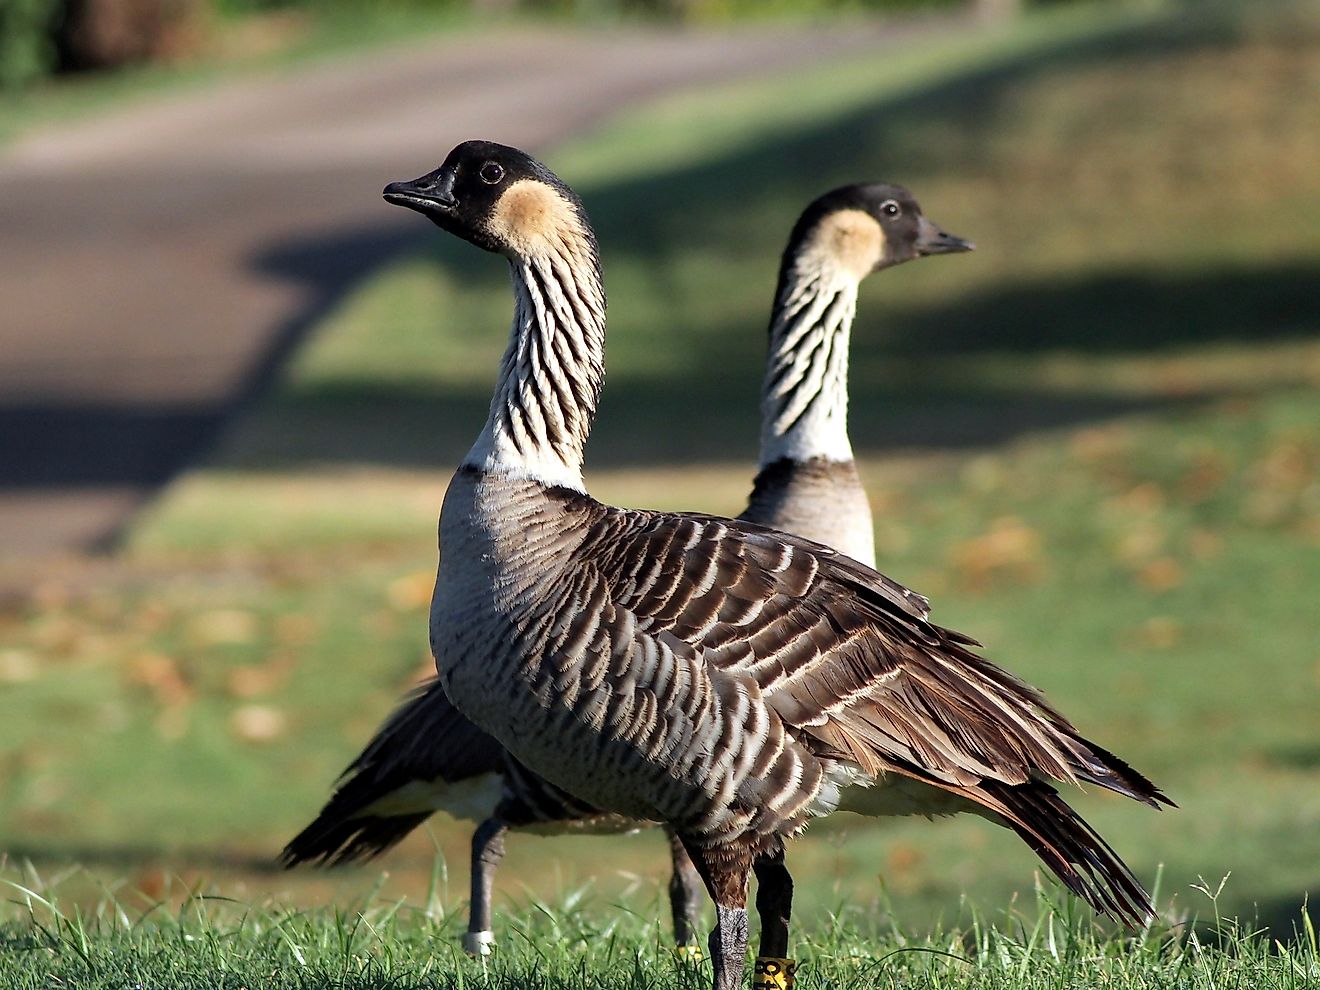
[804, 400]
[552, 372]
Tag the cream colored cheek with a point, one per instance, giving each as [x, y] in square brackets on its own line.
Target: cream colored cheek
[531, 218]
[859, 250]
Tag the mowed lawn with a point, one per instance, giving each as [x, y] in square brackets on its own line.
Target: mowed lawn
[1094, 443]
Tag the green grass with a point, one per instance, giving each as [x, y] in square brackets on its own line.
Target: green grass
[193, 939]
[1095, 442]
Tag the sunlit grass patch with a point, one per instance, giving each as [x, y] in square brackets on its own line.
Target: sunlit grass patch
[203, 939]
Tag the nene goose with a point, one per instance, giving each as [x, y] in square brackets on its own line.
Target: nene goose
[720, 677]
[428, 757]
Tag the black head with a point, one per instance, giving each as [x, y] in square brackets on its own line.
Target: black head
[870, 226]
[499, 198]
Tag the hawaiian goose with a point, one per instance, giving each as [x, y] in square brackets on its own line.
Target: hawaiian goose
[428, 757]
[717, 676]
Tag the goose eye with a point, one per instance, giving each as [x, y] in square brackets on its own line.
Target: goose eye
[890, 208]
[491, 173]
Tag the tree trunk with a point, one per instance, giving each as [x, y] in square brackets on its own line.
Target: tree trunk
[100, 34]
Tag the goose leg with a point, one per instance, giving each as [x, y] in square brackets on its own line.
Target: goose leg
[487, 851]
[728, 947]
[725, 869]
[684, 897]
[774, 905]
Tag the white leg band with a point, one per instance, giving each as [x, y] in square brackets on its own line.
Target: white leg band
[478, 943]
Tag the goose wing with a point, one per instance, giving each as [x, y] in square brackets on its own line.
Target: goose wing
[849, 663]
[837, 651]
[426, 757]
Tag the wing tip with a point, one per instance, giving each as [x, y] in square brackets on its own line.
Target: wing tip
[1075, 852]
[331, 841]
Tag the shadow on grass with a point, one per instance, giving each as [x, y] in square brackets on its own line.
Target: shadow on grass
[116, 443]
[1279, 919]
[903, 397]
[743, 201]
[707, 410]
[1123, 311]
[1297, 757]
[121, 858]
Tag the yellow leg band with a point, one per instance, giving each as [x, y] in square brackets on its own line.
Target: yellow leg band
[692, 953]
[771, 973]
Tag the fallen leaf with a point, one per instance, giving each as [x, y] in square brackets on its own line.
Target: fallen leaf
[1289, 463]
[412, 591]
[902, 858]
[1144, 498]
[1010, 549]
[295, 630]
[1160, 632]
[1204, 545]
[1142, 541]
[248, 682]
[258, 723]
[1098, 443]
[162, 677]
[17, 667]
[223, 626]
[1204, 477]
[1161, 574]
[152, 882]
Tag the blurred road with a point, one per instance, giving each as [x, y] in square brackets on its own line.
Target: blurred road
[158, 263]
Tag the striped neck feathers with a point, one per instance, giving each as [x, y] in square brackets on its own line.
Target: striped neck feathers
[804, 401]
[551, 374]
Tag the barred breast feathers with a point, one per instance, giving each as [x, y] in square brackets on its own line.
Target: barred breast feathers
[817, 662]
[844, 660]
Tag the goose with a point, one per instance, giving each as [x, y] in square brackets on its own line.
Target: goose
[428, 757]
[722, 678]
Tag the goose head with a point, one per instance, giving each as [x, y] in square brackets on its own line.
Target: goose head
[498, 198]
[865, 227]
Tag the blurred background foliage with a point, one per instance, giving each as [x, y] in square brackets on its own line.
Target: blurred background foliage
[39, 38]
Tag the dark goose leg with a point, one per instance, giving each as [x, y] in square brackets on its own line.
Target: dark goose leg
[724, 869]
[684, 896]
[487, 851]
[774, 905]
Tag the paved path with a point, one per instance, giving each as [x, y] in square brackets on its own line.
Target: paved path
[158, 263]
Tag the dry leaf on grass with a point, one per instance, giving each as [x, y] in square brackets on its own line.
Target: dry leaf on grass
[17, 667]
[248, 682]
[223, 626]
[412, 591]
[1161, 574]
[1160, 632]
[161, 676]
[1010, 550]
[258, 723]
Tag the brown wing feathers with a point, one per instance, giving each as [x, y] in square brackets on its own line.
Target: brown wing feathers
[426, 739]
[1072, 849]
[845, 658]
[852, 666]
